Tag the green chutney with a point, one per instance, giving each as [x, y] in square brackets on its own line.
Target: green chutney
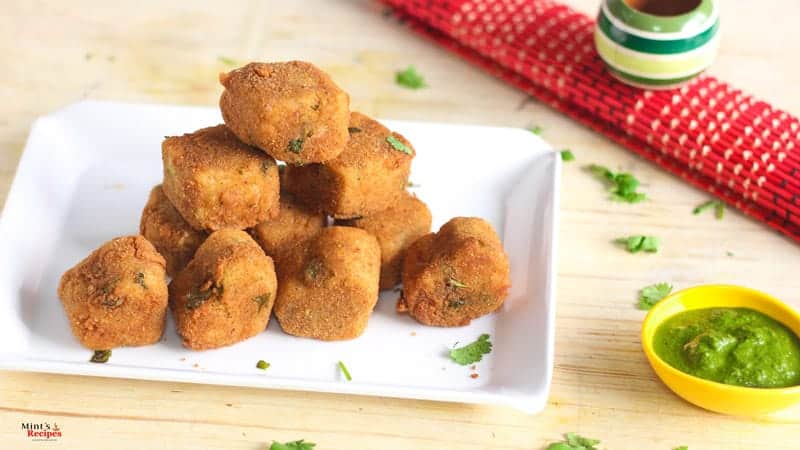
[737, 346]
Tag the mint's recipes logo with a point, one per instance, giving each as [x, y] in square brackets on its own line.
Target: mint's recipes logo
[41, 431]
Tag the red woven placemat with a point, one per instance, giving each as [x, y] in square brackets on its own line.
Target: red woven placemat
[709, 133]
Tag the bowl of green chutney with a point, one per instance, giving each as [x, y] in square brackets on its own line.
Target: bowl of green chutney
[725, 348]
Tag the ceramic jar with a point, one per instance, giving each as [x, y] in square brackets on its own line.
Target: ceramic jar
[657, 44]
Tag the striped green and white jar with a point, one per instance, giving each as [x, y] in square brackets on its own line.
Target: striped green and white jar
[657, 44]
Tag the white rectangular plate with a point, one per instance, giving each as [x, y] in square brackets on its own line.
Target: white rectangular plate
[84, 178]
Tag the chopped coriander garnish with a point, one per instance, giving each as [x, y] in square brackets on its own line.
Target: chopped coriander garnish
[602, 172]
[622, 185]
[536, 129]
[452, 282]
[472, 353]
[109, 287]
[109, 300]
[262, 300]
[718, 205]
[100, 356]
[227, 61]
[295, 145]
[112, 302]
[682, 447]
[398, 145]
[567, 155]
[352, 130]
[636, 244]
[457, 303]
[263, 365]
[313, 269]
[345, 372]
[729, 253]
[703, 206]
[650, 295]
[138, 278]
[294, 445]
[409, 78]
[573, 441]
[197, 298]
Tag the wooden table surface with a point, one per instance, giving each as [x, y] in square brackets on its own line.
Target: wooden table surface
[61, 52]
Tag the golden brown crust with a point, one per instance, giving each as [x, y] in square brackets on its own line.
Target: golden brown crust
[294, 226]
[396, 228]
[455, 275]
[291, 110]
[330, 286]
[166, 229]
[117, 296]
[225, 294]
[215, 181]
[367, 177]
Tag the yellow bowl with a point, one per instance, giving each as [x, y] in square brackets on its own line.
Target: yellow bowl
[722, 398]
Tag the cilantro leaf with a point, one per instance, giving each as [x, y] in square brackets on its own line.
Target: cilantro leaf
[703, 206]
[138, 278]
[345, 372]
[227, 61]
[472, 353]
[650, 295]
[263, 365]
[410, 78]
[567, 155]
[621, 185]
[457, 303]
[682, 447]
[719, 210]
[602, 172]
[718, 205]
[398, 145]
[625, 189]
[636, 244]
[630, 197]
[560, 446]
[294, 445]
[536, 129]
[262, 300]
[574, 441]
[577, 440]
[100, 356]
[295, 145]
[195, 299]
[452, 282]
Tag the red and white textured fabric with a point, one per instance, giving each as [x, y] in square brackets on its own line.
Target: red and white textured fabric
[709, 133]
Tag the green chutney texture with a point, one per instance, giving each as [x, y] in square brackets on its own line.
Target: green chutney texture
[737, 346]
